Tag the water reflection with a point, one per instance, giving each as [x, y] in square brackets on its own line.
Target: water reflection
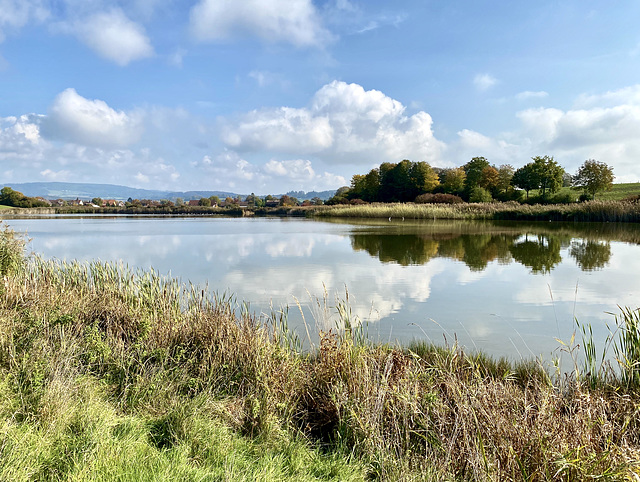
[538, 251]
[507, 288]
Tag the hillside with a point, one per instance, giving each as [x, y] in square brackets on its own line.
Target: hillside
[72, 190]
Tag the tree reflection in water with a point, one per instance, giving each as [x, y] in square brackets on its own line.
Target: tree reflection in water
[591, 255]
[541, 252]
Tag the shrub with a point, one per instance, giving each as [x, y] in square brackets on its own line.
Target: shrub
[438, 198]
[480, 195]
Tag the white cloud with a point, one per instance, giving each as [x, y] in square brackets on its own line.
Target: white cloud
[484, 81]
[230, 170]
[343, 123]
[15, 14]
[626, 96]
[114, 36]
[298, 170]
[144, 179]
[90, 122]
[605, 128]
[291, 21]
[50, 175]
[20, 138]
[284, 130]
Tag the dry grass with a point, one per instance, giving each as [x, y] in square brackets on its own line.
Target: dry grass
[133, 344]
[592, 211]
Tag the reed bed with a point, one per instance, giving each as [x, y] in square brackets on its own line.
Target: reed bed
[108, 373]
[592, 211]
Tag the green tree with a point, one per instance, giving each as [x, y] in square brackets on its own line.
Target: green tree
[205, 201]
[594, 176]
[9, 197]
[473, 172]
[97, 201]
[526, 178]
[215, 200]
[505, 174]
[549, 173]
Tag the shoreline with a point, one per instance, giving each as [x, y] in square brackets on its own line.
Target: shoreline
[591, 211]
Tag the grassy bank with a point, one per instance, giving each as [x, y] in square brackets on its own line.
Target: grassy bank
[592, 211]
[110, 374]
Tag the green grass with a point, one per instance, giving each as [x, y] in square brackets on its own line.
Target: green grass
[620, 191]
[112, 374]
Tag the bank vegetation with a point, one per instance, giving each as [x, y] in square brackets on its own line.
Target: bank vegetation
[112, 374]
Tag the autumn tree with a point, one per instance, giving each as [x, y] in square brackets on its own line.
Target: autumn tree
[452, 180]
[594, 176]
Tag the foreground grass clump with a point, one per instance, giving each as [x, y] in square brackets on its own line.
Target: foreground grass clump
[109, 374]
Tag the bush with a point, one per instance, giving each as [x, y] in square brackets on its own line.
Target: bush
[480, 195]
[438, 198]
[358, 201]
[563, 198]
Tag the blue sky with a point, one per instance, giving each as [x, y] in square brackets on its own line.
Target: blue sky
[267, 96]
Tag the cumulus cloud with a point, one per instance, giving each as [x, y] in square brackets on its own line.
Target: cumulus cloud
[230, 170]
[601, 126]
[20, 138]
[285, 129]
[114, 36]
[291, 21]
[91, 122]
[484, 81]
[343, 122]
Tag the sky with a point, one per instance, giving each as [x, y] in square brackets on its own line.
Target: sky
[269, 96]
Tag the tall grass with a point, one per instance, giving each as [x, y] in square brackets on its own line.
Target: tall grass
[108, 373]
[592, 211]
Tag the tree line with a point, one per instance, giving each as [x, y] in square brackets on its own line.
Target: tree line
[476, 181]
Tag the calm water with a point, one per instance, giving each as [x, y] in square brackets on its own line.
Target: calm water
[508, 289]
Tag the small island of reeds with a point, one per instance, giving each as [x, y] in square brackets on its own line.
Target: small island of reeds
[107, 373]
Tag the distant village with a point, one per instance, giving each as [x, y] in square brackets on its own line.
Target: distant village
[250, 201]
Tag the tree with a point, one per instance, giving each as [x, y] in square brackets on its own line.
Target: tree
[594, 176]
[423, 178]
[452, 180]
[97, 201]
[473, 171]
[204, 201]
[526, 178]
[505, 174]
[215, 200]
[549, 173]
[489, 178]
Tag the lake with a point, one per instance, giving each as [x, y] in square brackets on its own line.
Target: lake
[508, 289]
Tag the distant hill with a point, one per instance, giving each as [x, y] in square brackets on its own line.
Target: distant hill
[73, 190]
[301, 195]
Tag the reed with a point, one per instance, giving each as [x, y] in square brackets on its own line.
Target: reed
[592, 211]
[119, 374]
